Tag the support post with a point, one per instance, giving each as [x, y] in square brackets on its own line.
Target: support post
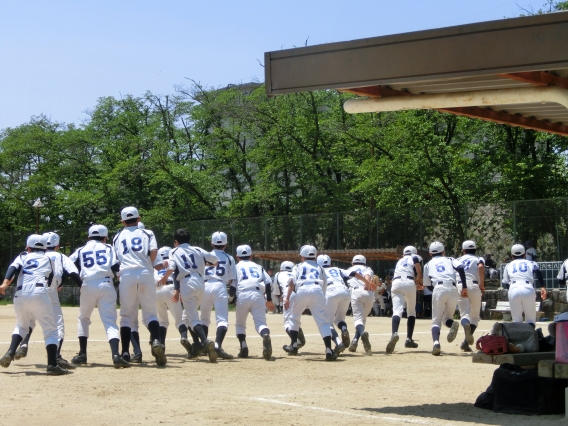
[514, 221]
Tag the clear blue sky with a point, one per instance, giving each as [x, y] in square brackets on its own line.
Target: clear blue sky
[59, 56]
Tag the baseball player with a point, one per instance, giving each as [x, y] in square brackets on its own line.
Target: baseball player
[216, 281]
[362, 299]
[63, 267]
[306, 290]
[97, 263]
[165, 289]
[252, 284]
[34, 273]
[282, 279]
[440, 276]
[276, 295]
[407, 275]
[136, 250]
[188, 264]
[470, 306]
[379, 295]
[519, 275]
[337, 299]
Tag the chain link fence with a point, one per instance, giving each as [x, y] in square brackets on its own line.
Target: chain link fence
[494, 226]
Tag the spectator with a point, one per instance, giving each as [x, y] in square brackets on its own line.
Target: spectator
[491, 271]
[530, 251]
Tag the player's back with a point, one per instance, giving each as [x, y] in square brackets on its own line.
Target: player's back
[441, 269]
[34, 268]
[470, 264]
[251, 276]
[361, 269]
[307, 273]
[225, 271]
[133, 247]
[94, 260]
[520, 270]
[334, 276]
[405, 267]
[190, 260]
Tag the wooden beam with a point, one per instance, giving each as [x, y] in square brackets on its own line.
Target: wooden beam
[538, 78]
[483, 113]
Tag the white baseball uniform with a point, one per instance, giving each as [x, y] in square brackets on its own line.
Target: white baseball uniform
[31, 300]
[137, 286]
[440, 273]
[361, 300]
[404, 287]
[310, 283]
[164, 302]
[95, 261]
[282, 279]
[251, 284]
[216, 280]
[337, 295]
[188, 264]
[470, 306]
[519, 275]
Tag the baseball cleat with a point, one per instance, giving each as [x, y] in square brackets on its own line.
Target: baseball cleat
[159, 352]
[410, 344]
[126, 356]
[339, 348]
[185, 343]
[266, 347]
[63, 363]
[345, 338]
[56, 370]
[301, 337]
[465, 347]
[134, 359]
[290, 350]
[436, 349]
[366, 343]
[119, 362]
[222, 354]
[332, 356]
[210, 348]
[468, 335]
[79, 359]
[22, 352]
[453, 331]
[243, 353]
[353, 345]
[7, 359]
[392, 343]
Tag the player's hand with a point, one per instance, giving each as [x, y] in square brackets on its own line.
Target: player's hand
[287, 304]
[163, 281]
[464, 292]
[2, 289]
[176, 297]
[419, 287]
[270, 306]
[482, 289]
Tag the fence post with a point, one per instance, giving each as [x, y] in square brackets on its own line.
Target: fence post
[337, 230]
[377, 224]
[11, 245]
[202, 234]
[265, 234]
[514, 221]
[465, 220]
[233, 236]
[421, 232]
[301, 228]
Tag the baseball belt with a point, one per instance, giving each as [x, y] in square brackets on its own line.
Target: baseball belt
[403, 277]
[37, 285]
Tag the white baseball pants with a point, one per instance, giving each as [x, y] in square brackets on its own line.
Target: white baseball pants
[137, 286]
[286, 312]
[522, 298]
[444, 303]
[164, 303]
[250, 301]
[470, 306]
[35, 305]
[309, 297]
[191, 290]
[215, 295]
[56, 305]
[337, 299]
[403, 291]
[361, 304]
[100, 293]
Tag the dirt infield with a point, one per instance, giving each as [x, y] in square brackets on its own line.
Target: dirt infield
[410, 386]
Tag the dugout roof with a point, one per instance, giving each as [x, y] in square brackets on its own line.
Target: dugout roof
[512, 71]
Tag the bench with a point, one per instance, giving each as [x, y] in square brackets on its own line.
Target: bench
[505, 307]
[522, 359]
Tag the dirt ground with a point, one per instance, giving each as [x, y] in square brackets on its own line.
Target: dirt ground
[410, 386]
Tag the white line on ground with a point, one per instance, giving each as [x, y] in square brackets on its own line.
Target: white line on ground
[345, 413]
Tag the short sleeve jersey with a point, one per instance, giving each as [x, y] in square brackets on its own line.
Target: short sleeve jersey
[335, 276]
[224, 272]
[251, 276]
[186, 260]
[519, 271]
[94, 260]
[405, 267]
[33, 268]
[62, 265]
[307, 273]
[470, 266]
[283, 279]
[363, 270]
[440, 268]
[563, 272]
[133, 247]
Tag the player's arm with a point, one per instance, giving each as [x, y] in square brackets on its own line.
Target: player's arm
[538, 274]
[9, 277]
[481, 270]
[461, 272]
[426, 281]
[291, 287]
[562, 275]
[418, 269]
